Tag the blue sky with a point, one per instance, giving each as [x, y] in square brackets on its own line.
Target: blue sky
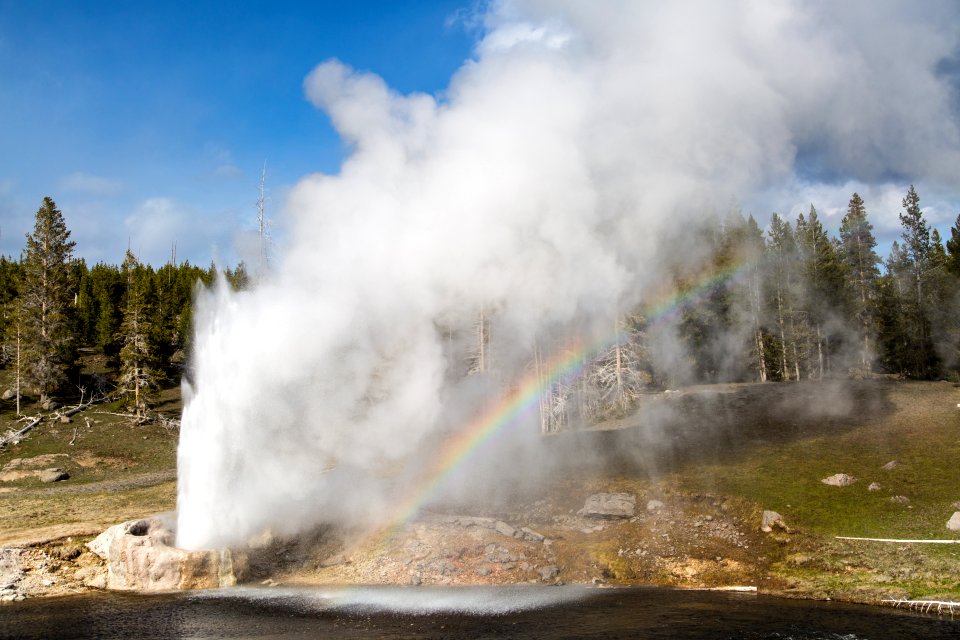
[140, 111]
[149, 122]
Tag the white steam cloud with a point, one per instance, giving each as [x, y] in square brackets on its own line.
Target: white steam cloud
[539, 189]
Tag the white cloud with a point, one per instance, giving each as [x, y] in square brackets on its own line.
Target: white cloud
[155, 225]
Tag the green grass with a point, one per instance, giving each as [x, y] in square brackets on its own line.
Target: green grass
[786, 477]
[921, 431]
[118, 470]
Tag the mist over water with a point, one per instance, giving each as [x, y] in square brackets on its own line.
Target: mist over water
[548, 189]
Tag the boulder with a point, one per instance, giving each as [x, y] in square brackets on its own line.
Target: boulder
[140, 557]
[770, 520]
[954, 522]
[890, 466]
[609, 505]
[900, 500]
[53, 475]
[874, 486]
[505, 529]
[8, 394]
[839, 480]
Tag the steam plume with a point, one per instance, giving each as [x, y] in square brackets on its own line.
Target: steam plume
[539, 191]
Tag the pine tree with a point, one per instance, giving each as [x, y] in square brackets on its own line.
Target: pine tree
[860, 261]
[943, 304]
[783, 279]
[741, 337]
[916, 265]
[107, 291]
[137, 355]
[13, 334]
[10, 278]
[46, 298]
[892, 339]
[953, 249]
[823, 279]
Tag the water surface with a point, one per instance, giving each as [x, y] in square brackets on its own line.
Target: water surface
[432, 613]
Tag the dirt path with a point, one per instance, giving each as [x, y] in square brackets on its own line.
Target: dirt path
[120, 484]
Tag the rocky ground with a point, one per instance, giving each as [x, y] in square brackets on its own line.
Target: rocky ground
[696, 522]
[689, 541]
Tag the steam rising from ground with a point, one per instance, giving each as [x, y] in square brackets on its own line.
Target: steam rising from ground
[539, 191]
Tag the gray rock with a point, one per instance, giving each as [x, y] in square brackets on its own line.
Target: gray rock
[839, 480]
[954, 522]
[484, 570]
[609, 505]
[770, 520]
[890, 466]
[874, 486]
[505, 529]
[549, 572]
[8, 394]
[654, 505]
[900, 500]
[53, 475]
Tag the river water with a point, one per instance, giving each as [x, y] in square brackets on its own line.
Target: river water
[489, 612]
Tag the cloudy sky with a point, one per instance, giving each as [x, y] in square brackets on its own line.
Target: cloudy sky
[149, 122]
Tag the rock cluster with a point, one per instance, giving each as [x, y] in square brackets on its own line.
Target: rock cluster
[501, 527]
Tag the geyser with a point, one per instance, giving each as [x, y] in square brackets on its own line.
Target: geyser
[534, 202]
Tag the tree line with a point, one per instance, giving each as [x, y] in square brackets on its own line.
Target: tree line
[796, 303]
[787, 303]
[53, 307]
[802, 304]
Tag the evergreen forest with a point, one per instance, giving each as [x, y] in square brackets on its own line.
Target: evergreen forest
[797, 304]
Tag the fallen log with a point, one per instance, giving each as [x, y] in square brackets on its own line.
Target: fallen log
[927, 606]
[16, 435]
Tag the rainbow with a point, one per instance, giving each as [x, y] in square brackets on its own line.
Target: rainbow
[524, 397]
